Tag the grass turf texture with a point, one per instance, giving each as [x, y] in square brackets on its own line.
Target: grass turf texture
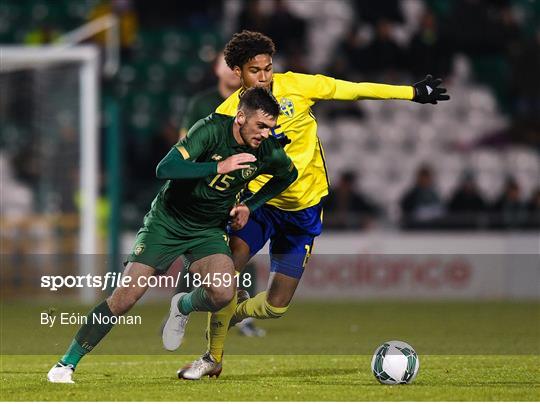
[269, 378]
[468, 351]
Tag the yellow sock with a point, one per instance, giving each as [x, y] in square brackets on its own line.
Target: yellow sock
[218, 326]
[257, 307]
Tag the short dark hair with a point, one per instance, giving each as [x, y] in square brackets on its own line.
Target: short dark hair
[245, 45]
[259, 98]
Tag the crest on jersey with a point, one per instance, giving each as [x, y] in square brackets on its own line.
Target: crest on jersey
[139, 248]
[287, 107]
[248, 172]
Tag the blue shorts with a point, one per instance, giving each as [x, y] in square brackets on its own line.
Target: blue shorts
[291, 236]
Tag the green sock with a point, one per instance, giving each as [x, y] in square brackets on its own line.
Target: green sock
[88, 335]
[74, 354]
[196, 300]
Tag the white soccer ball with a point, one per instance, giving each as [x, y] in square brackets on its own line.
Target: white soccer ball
[395, 362]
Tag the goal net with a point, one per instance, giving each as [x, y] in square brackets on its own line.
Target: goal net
[48, 164]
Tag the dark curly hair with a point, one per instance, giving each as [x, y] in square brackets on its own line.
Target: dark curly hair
[259, 98]
[245, 45]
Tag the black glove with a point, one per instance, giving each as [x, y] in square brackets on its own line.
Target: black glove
[428, 91]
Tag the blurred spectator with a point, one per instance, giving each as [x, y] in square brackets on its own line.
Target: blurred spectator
[428, 50]
[141, 158]
[533, 208]
[42, 35]
[373, 11]
[476, 32]
[508, 27]
[346, 208]
[383, 54]
[127, 22]
[288, 31]
[466, 207]
[289, 34]
[16, 199]
[180, 15]
[252, 18]
[349, 57]
[421, 205]
[509, 211]
[525, 63]
[161, 145]
[206, 102]
[485, 27]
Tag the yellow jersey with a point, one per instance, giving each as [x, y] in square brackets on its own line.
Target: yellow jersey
[296, 93]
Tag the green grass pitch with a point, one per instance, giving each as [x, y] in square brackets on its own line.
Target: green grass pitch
[318, 352]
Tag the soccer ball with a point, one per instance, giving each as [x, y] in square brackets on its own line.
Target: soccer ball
[395, 362]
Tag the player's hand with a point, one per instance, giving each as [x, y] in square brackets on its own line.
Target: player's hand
[239, 216]
[235, 162]
[428, 91]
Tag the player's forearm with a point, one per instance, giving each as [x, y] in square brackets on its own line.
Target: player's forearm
[347, 90]
[270, 190]
[174, 167]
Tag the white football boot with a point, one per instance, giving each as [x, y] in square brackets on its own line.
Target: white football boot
[60, 373]
[175, 327]
[206, 365]
[248, 328]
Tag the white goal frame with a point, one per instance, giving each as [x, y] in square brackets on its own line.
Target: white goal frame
[13, 58]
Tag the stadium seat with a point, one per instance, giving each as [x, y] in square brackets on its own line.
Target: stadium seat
[490, 184]
[520, 159]
[486, 160]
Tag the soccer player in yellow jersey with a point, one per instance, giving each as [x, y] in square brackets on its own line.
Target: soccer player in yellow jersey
[292, 220]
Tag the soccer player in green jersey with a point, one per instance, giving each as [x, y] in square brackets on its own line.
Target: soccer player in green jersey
[293, 219]
[200, 106]
[205, 172]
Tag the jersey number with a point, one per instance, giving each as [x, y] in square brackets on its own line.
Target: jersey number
[308, 254]
[221, 182]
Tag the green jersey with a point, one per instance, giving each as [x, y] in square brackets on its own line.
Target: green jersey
[189, 215]
[200, 106]
[198, 204]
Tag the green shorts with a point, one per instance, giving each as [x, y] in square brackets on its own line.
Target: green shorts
[158, 244]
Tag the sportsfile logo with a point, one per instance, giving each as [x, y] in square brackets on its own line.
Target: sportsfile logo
[109, 280]
[113, 280]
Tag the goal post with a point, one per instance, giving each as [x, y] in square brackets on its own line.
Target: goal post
[84, 58]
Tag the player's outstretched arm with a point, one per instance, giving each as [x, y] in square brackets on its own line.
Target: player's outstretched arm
[174, 167]
[428, 91]
[425, 91]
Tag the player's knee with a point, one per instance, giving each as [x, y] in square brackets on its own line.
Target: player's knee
[221, 296]
[120, 303]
